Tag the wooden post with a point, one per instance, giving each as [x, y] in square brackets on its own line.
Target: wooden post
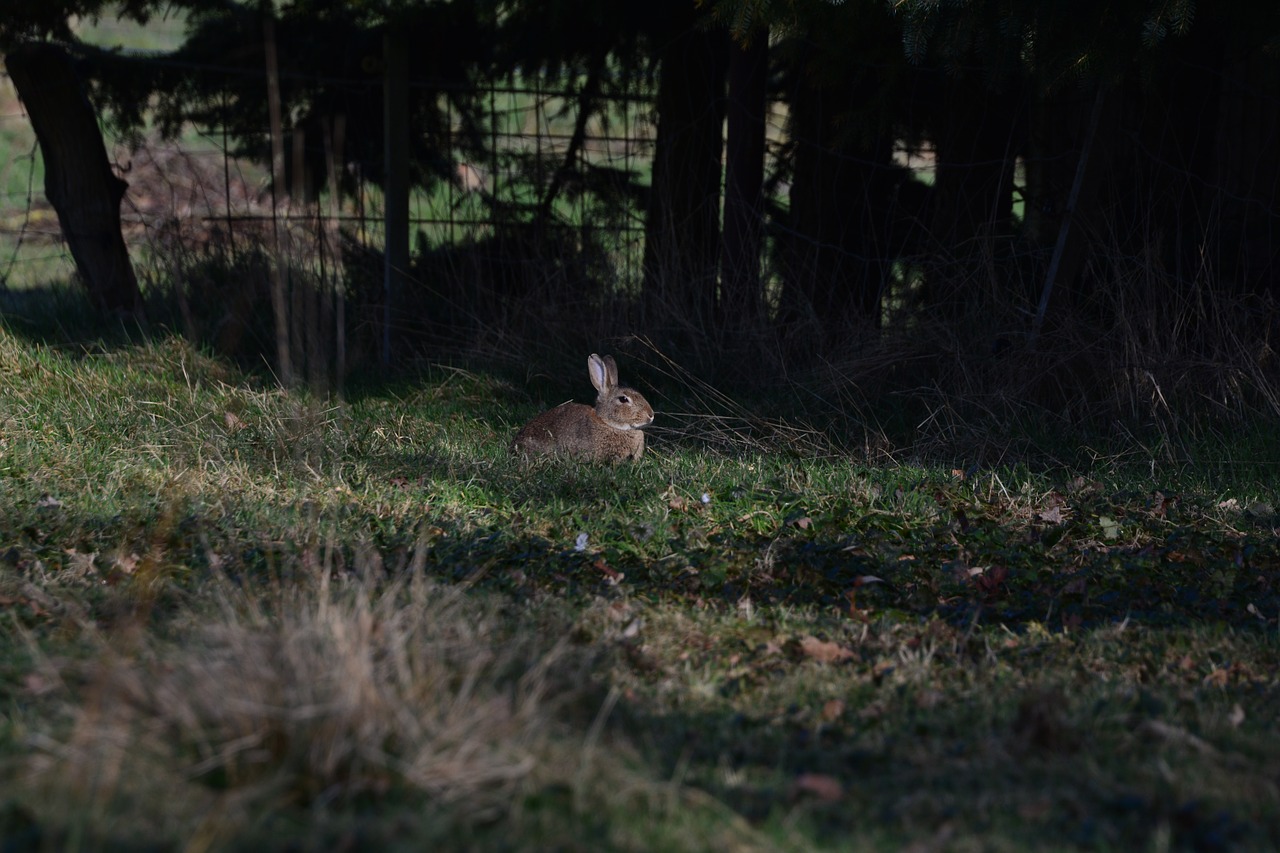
[279, 287]
[395, 48]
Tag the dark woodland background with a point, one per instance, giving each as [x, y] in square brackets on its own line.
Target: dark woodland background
[1055, 207]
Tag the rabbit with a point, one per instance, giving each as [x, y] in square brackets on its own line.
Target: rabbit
[610, 432]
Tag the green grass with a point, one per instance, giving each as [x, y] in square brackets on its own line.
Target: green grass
[237, 617]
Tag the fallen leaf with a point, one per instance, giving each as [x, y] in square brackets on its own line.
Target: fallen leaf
[823, 651]
[992, 580]
[804, 522]
[819, 785]
[1052, 515]
[1259, 509]
[611, 574]
[1218, 678]
[1236, 717]
[834, 709]
[47, 501]
[128, 563]
[80, 564]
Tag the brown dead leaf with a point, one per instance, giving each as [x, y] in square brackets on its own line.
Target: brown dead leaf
[1218, 678]
[611, 574]
[823, 651]
[834, 709]
[818, 785]
[127, 563]
[881, 669]
[234, 424]
[80, 564]
[804, 522]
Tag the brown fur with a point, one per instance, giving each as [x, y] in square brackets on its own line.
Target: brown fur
[610, 432]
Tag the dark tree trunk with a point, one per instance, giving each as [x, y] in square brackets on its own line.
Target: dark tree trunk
[836, 263]
[741, 298]
[1248, 174]
[977, 135]
[1059, 126]
[682, 232]
[1178, 158]
[78, 180]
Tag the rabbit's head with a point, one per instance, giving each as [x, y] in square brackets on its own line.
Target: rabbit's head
[617, 405]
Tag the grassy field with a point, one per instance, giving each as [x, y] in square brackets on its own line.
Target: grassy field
[241, 618]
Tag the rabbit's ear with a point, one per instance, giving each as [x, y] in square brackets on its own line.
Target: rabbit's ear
[611, 371]
[600, 373]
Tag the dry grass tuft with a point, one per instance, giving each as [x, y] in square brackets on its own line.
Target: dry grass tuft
[715, 419]
[314, 694]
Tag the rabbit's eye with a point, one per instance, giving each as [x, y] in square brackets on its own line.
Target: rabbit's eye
[623, 398]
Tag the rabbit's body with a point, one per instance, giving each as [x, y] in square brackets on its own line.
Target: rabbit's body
[610, 432]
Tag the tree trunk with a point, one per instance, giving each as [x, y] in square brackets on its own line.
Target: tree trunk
[740, 296]
[1247, 174]
[977, 135]
[78, 180]
[837, 260]
[682, 231]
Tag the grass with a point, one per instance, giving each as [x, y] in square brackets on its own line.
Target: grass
[238, 617]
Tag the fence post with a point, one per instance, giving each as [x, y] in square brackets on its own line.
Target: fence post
[395, 48]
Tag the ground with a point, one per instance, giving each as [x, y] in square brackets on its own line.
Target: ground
[238, 615]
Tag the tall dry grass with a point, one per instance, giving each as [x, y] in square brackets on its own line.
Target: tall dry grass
[311, 695]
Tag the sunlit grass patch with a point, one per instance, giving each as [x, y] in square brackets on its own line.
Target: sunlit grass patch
[236, 613]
